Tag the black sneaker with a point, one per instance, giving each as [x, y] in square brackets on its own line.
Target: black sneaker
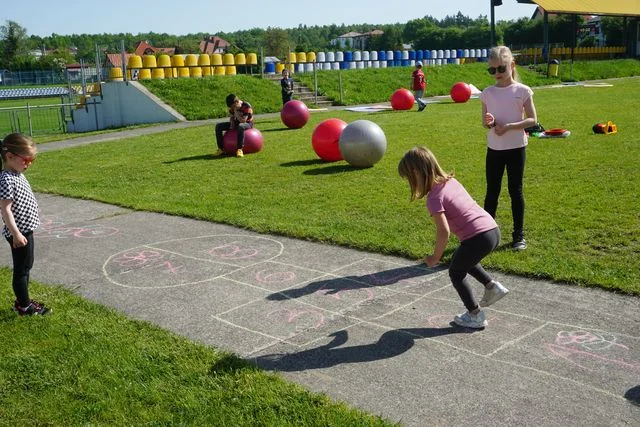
[33, 309]
[420, 108]
[519, 245]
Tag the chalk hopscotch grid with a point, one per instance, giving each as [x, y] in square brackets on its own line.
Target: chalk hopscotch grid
[359, 321]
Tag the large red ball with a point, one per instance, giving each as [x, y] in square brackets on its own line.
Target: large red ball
[294, 114]
[460, 92]
[253, 141]
[326, 137]
[402, 99]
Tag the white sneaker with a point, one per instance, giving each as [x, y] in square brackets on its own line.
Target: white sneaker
[468, 320]
[493, 295]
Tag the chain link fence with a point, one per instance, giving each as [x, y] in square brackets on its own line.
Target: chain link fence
[49, 77]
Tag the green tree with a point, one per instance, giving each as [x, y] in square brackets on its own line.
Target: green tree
[613, 30]
[277, 43]
[14, 42]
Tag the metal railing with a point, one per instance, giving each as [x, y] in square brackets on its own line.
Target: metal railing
[37, 119]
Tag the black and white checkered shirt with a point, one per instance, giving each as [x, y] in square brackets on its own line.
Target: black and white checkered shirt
[15, 187]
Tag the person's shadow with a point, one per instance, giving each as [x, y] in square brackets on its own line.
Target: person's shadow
[392, 343]
[633, 395]
[347, 283]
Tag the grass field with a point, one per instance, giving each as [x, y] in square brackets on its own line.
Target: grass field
[582, 220]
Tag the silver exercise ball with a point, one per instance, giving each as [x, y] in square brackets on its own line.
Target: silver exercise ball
[362, 143]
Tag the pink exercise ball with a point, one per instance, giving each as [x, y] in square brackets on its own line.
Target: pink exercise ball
[253, 141]
[460, 92]
[294, 114]
[402, 99]
[326, 137]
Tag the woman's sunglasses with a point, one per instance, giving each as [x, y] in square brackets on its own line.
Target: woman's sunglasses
[500, 68]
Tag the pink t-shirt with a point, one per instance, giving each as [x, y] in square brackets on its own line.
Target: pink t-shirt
[507, 106]
[465, 217]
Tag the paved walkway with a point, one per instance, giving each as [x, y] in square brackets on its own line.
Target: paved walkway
[371, 330]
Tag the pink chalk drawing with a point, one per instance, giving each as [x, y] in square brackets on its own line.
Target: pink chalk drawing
[304, 319]
[49, 228]
[146, 259]
[265, 276]
[232, 250]
[575, 345]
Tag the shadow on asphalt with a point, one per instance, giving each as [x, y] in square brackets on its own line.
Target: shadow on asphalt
[391, 343]
[347, 283]
[633, 395]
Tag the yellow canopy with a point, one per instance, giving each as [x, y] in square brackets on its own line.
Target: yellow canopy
[591, 7]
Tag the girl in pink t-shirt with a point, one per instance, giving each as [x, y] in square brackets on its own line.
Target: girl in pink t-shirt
[454, 211]
[507, 110]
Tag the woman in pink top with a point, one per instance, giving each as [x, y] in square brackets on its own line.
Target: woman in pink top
[454, 211]
[507, 110]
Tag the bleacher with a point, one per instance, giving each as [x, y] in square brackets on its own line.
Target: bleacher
[38, 92]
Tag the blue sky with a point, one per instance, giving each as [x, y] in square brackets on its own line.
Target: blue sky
[43, 18]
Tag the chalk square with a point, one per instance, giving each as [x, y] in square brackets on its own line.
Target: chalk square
[604, 360]
[414, 278]
[287, 320]
[435, 316]
[337, 294]
[273, 276]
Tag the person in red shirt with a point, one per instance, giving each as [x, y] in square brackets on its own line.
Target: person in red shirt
[418, 85]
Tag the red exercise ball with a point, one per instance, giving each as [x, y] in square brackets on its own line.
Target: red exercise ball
[402, 99]
[252, 141]
[460, 92]
[325, 139]
[294, 114]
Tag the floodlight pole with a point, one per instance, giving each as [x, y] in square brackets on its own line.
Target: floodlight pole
[494, 3]
[493, 25]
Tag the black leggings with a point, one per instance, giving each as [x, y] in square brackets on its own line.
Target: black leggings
[22, 263]
[513, 161]
[466, 260]
[225, 126]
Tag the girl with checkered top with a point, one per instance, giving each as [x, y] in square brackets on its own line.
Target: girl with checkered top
[19, 210]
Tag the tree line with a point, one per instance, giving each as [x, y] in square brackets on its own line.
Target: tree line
[452, 32]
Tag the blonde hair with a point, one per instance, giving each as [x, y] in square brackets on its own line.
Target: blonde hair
[503, 54]
[17, 143]
[420, 167]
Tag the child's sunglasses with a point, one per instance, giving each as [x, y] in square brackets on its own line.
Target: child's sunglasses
[500, 68]
[27, 160]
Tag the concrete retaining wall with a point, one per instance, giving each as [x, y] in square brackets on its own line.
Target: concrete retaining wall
[122, 104]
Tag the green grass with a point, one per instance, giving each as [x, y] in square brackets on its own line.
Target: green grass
[88, 365]
[582, 219]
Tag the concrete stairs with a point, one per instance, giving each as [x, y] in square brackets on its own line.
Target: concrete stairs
[303, 93]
